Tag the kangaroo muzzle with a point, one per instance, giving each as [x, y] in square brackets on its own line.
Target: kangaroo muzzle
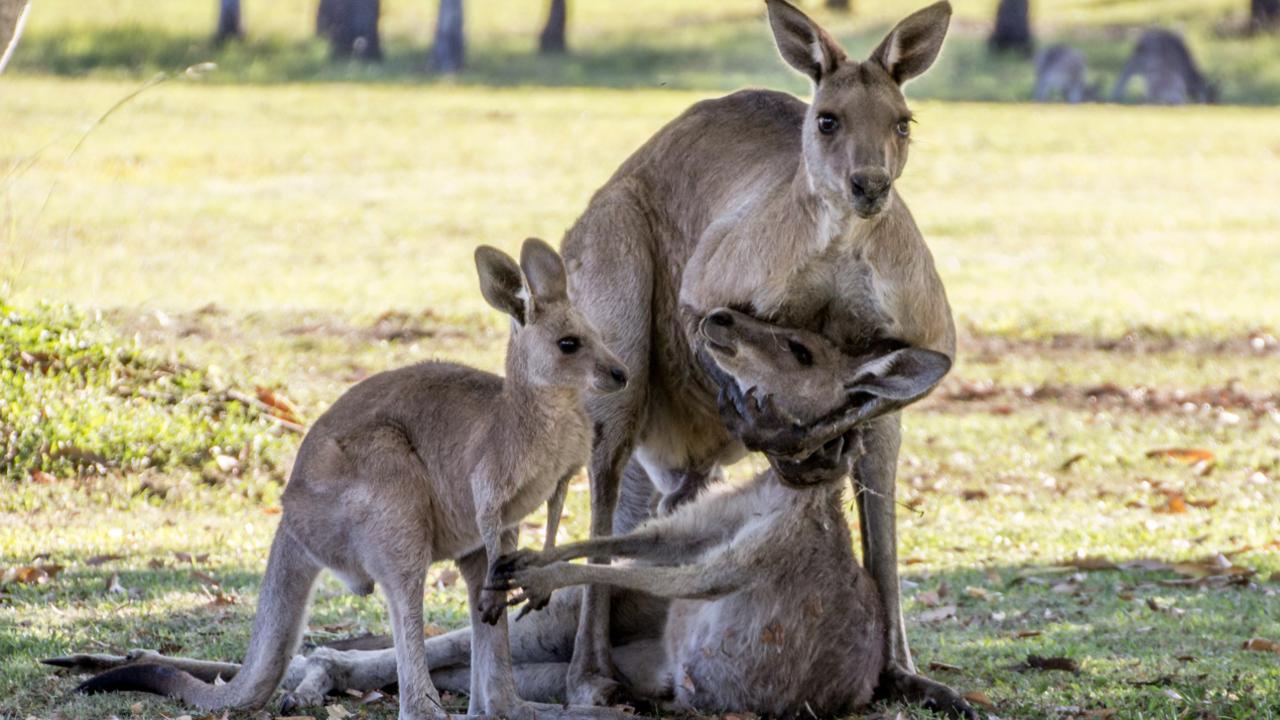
[870, 191]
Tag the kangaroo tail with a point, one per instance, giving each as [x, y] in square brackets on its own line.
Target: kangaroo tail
[282, 610]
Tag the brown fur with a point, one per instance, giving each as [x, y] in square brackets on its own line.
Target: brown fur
[430, 462]
[742, 201]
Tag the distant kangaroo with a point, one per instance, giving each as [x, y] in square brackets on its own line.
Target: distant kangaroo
[1061, 71]
[787, 211]
[761, 574]
[420, 464]
[1162, 59]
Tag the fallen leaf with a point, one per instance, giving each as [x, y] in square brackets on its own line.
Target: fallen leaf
[944, 667]
[113, 586]
[1261, 645]
[972, 495]
[30, 574]
[1066, 465]
[272, 510]
[97, 560]
[941, 613]
[979, 593]
[1172, 694]
[337, 712]
[1186, 658]
[1174, 504]
[1027, 633]
[1189, 456]
[980, 699]
[1036, 662]
[1092, 563]
[41, 477]
[279, 405]
[912, 561]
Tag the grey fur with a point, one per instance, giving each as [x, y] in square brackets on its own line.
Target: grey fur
[1165, 63]
[430, 462]
[1061, 71]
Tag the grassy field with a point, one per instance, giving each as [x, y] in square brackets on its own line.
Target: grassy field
[209, 243]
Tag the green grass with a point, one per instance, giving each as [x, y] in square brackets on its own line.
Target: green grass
[640, 44]
[210, 236]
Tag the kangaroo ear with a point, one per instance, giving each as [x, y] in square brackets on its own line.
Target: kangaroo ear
[544, 270]
[805, 46]
[501, 283]
[902, 376]
[913, 44]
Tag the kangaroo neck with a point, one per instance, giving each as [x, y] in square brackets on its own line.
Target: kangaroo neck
[827, 221]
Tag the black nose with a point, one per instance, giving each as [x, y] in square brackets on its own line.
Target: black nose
[723, 318]
[619, 376]
[870, 185]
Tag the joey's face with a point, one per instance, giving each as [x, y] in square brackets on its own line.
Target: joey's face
[562, 349]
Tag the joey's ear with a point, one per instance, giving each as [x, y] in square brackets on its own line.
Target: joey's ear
[501, 282]
[902, 376]
[913, 44]
[544, 270]
[805, 46]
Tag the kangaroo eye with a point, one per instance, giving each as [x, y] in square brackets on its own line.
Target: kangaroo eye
[904, 128]
[802, 354]
[569, 345]
[827, 123]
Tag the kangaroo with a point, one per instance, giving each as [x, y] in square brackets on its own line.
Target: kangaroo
[767, 601]
[786, 210]
[769, 605]
[1061, 71]
[414, 465]
[1163, 60]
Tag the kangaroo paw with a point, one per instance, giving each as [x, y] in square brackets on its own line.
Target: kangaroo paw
[897, 684]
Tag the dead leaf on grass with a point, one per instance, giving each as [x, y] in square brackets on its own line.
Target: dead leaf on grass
[41, 477]
[113, 586]
[337, 712]
[944, 667]
[1190, 456]
[38, 574]
[1261, 645]
[980, 699]
[1174, 504]
[97, 560]
[1065, 664]
[1027, 634]
[979, 593]
[1092, 562]
[279, 405]
[973, 495]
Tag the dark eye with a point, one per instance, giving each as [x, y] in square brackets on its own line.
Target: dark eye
[569, 345]
[903, 128]
[803, 356]
[827, 123]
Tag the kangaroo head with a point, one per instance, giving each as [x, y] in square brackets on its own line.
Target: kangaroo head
[805, 375]
[857, 129]
[552, 345]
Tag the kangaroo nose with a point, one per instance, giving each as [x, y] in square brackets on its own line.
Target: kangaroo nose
[619, 376]
[869, 185]
[723, 318]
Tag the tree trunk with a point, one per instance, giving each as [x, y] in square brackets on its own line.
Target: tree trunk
[551, 41]
[449, 51]
[1013, 28]
[229, 27]
[13, 17]
[839, 5]
[1264, 14]
[351, 26]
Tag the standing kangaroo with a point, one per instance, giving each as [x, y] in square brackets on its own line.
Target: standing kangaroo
[1061, 71]
[760, 202]
[771, 614]
[1162, 59]
[420, 464]
[763, 575]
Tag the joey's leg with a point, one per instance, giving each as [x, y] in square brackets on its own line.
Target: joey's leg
[719, 575]
[874, 475]
[403, 582]
[555, 508]
[493, 690]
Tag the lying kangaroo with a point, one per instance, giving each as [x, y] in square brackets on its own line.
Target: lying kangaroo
[1162, 59]
[760, 202]
[771, 613]
[763, 575]
[1061, 71]
[420, 464]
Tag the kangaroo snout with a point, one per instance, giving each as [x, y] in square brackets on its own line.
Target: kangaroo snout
[610, 377]
[870, 191]
[717, 328]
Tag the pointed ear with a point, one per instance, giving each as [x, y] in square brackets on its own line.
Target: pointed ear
[912, 46]
[501, 282]
[805, 46]
[544, 270]
[902, 376]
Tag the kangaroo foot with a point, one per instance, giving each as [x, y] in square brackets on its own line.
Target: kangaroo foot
[897, 684]
[592, 689]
